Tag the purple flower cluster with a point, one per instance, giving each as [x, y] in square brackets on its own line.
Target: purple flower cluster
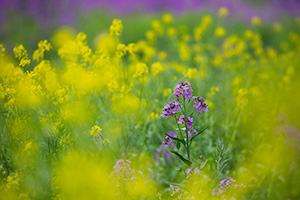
[190, 171]
[183, 91]
[123, 174]
[188, 120]
[200, 104]
[224, 185]
[171, 109]
[169, 141]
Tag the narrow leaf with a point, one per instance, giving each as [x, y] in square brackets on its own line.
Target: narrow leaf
[178, 145]
[182, 158]
[194, 136]
[177, 139]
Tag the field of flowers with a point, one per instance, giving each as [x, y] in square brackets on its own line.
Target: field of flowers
[166, 107]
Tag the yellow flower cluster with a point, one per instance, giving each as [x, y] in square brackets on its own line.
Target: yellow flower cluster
[116, 27]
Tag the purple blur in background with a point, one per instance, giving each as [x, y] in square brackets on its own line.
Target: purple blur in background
[61, 12]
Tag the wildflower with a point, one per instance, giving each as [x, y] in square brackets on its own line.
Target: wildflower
[180, 119]
[191, 73]
[162, 55]
[171, 108]
[131, 48]
[154, 115]
[43, 46]
[24, 61]
[96, 131]
[277, 26]
[2, 49]
[141, 68]
[222, 12]
[13, 180]
[121, 50]
[20, 51]
[200, 104]
[156, 68]
[112, 85]
[123, 174]
[224, 185]
[157, 26]
[190, 171]
[106, 141]
[116, 27]
[183, 91]
[242, 99]
[171, 31]
[192, 131]
[220, 32]
[167, 91]
[151, 36]
[167, 18]
[256, 21]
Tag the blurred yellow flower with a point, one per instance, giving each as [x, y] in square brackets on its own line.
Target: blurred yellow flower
[220, 31]
[167, 18]
[223, 12]
[116, 27]
[256, 21]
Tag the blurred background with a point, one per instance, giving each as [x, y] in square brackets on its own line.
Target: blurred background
[83, 85]
[35, 19]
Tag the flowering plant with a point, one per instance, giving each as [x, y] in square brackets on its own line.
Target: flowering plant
[177, 108]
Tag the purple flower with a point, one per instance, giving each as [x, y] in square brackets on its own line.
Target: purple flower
[181, 119]
[183, 91]
[200, 104]
[192, 171]
[171, 108]
[193, 131]
[224, 185]
[189, 122]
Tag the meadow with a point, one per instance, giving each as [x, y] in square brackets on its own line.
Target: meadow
[163, 106]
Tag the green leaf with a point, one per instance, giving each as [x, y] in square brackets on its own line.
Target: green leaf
[178, 145]
[194, 136]
[177, 139]
[186, 161]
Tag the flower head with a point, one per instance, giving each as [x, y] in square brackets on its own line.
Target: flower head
[183, 90]
[171, 108]
[200, 104]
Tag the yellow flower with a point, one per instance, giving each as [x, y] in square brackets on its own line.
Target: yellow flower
[96, 130]
[220, 31]
[154, 115]
[256, 21]
[171, 31]
[277, 26]
[241, 98]
[113, 86]
[13, 180]
[223, 12]
[116, 27]
[167, 18]
[20, 51]
[156, 68]
[43, 46]
[150, 35]
[191, 73]
[141, 68]
[131, 48]
[106, 141]
[2, 49]
[167, 92]
[162, 55]
[121, 50]
[156, 25]
[24, 61]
